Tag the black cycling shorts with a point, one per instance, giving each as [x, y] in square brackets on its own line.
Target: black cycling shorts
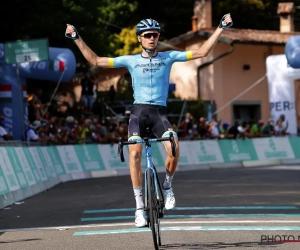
[152, 116]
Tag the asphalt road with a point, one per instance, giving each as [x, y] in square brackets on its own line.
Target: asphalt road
[256, 208]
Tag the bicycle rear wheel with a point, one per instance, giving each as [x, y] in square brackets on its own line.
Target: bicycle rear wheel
[153, 210]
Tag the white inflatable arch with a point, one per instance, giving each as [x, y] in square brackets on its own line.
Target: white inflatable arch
[282, 71]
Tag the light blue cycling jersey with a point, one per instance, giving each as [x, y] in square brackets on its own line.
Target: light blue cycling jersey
[150, 77]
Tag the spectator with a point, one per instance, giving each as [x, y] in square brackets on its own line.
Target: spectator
[202, 128]
[244, 130]
[96, 134]
[256, 129]
[279, 128]
[194, 130]
[269, 129]
[233, 131]
[83, 130]
[4, 136]
[185, 126]
[32, 133]
[62, 137]
[224, 130]
[213, 129]
[35, 107]
[87, 92]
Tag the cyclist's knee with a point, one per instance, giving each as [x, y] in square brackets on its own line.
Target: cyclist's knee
[135, 154]
[169, 150]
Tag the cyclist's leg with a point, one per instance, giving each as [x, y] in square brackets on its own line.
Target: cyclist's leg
[162, 128]
[135, 156]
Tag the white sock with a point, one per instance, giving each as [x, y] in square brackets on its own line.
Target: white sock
[138, 195]
[168, 181]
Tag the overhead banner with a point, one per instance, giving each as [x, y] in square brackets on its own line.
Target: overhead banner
[281, 79]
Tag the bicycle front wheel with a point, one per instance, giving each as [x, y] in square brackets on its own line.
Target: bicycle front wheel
[153, 210]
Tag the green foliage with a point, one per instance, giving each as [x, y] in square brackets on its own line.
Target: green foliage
[251, 14]
[126, 42]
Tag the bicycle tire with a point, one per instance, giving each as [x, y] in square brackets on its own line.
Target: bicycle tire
[160, 205]
[153, 210]
[161, 201]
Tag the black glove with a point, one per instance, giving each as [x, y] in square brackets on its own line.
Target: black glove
[74, 35]
[223, 24]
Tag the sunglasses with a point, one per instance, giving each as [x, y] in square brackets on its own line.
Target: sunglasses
[149, 35]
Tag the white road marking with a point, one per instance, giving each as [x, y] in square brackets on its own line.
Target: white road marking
[162, 222]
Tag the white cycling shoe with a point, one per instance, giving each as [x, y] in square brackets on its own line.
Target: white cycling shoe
[140, 218]
[169, 196]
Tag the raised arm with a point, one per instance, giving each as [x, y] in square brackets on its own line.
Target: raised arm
[208, 45]
[89, 55]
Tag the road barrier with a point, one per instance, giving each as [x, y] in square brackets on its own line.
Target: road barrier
[28, 170]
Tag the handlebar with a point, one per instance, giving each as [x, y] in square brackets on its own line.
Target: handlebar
[146, 140]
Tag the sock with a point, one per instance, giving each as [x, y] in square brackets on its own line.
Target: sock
[138, 195]
[168, 181]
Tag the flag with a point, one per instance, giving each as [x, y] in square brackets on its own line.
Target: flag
[57, 65]
[5, 93]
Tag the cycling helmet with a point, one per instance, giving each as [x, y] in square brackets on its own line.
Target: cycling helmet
[147, 24]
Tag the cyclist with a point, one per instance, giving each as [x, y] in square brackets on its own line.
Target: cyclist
[150, 73]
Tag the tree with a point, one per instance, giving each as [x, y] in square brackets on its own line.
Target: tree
[95, 20]
[251, 14]
[126, 42]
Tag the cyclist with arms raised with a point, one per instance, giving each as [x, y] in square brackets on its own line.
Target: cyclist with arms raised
[150, 72]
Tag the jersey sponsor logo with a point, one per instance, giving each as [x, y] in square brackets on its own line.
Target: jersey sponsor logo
[135, 133]
[150, 70]
[144, 65]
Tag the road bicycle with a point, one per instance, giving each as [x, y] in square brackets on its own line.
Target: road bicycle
[154, 199]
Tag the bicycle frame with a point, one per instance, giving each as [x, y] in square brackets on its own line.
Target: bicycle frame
[149, 164]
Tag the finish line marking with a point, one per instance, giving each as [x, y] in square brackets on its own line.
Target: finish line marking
[163, 222]
[130, 217]
[204, 228]
[197, 208]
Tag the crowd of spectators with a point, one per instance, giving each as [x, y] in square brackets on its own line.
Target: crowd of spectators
[191, 129]
[76, 130]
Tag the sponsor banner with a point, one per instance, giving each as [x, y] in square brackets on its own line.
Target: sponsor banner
[4, 189]
[109, 155]
[8, 170]
[295, 142]
[55, 159]
[48, 165]
[205, 151]
[237, 150]
[273, 148]
[89, 157]
[33, 166]
[38, 162]
[69, 159]
[17, 166]
[25, 165]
